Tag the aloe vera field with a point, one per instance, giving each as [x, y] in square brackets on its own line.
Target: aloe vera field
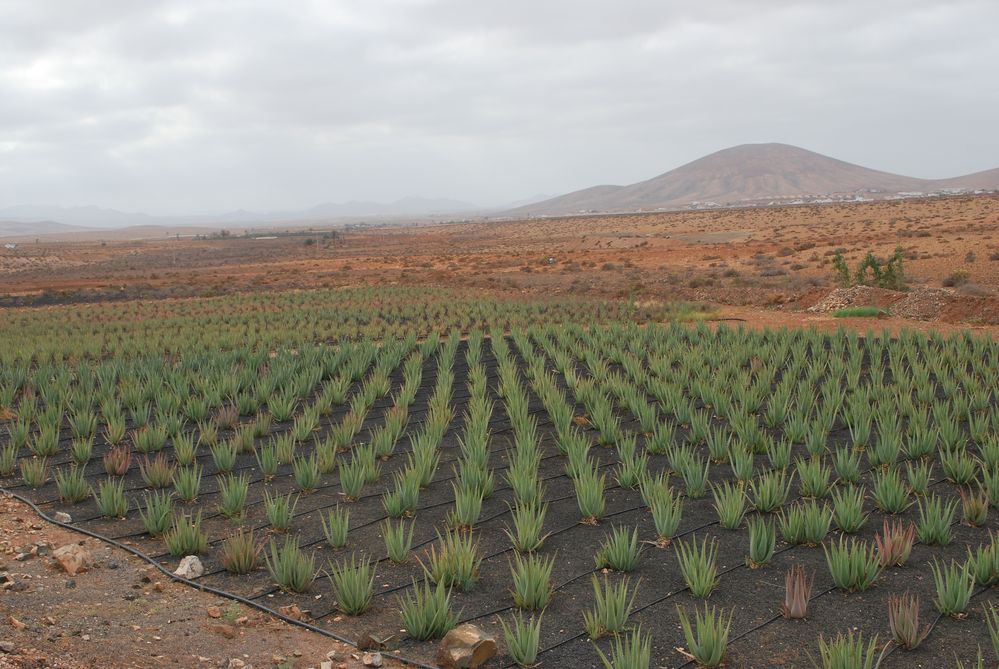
[590, 483]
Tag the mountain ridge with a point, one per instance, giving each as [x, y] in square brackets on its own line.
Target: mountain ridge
[99, 218]
[750, 173]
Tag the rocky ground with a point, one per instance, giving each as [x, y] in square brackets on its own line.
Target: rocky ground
[120, 612]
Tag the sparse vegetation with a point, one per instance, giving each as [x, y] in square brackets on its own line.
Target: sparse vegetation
[872, 271]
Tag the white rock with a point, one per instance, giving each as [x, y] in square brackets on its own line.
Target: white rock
[190, 567]
[62, 517]
[372, 659]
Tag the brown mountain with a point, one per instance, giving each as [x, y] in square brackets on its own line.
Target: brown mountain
[750, 174]
[987, 180]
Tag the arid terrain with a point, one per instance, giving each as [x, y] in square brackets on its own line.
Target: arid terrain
[763, 261]
[52, 619]
[767, 267]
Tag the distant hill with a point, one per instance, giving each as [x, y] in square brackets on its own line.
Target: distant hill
[87, 217]
[986, 180]
[40, 219]
[749, 173]
[22, 229]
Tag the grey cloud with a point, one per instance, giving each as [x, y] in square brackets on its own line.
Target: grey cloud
[181, 107]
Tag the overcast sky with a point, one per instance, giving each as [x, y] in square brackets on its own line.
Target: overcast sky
[204, 106]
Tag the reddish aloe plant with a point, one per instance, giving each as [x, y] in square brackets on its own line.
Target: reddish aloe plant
[798, 589]
[903, 619]
[895, 542]
[117, 460]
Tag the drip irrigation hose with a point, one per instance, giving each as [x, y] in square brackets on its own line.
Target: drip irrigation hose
[693, 662]
[205, 588]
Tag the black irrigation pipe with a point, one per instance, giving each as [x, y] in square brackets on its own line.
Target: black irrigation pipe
[321, 508]
[377, 520]
[693, 662]
[205, 588]
[251, 467]
[497, 554]
[672, 594]
[646, 606]
[429, 371]
[554, 533]
[575, 578]
[660, 600]
[891, 647]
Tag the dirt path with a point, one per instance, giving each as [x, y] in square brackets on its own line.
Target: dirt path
[123, 613]
[760, 318]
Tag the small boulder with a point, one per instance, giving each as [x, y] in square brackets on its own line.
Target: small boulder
[62, 517]
[225, 630]
[372, 659]
[73, 558]
[295, 613]
[190, 567]
[466, 647]
[368, 641]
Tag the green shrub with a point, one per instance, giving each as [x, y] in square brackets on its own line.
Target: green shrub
[186, 536]
[398, 538]
[589, 485]
[523, 638]
[336, 523]
[707, 637]
[890, 493]
[860, 312]
[770, 490]
[849, 652]
[762, 542]
[698, 565]
[805, 523]
[157, 516]
[233, 491]
[111, 500]
[620, 550]
[34, 472]
[280, 510]
[531, 576]
[848, 509]
[528, 525]
[454, 561]
[72, 484]
[813, 477]
[307, 472]
[853, 566]
[239, 552]
[426, 611]
[353, 585]
[628, 651]
[730, 504]
[290, 568]
[954, 586]
[871, 271]
[935, 518]
[187, 482]
[612, 604]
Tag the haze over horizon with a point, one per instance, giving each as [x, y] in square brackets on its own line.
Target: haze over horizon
[174, 108]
